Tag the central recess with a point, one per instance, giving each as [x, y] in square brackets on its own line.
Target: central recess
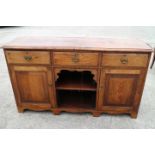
[76, 89]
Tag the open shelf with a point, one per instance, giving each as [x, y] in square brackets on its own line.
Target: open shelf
[76, 99]
[73, 80]
[75, 85]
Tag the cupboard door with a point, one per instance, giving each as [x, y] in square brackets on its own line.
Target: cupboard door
[32, 86]
[120, 89]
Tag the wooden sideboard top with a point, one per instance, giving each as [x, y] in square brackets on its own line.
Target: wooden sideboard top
[93, 44]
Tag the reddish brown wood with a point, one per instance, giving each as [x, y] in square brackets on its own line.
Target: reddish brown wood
[129, 60]
[75, 58]
[20, 110]
[110, 79]
[74, 85]
[120, 88]
[56, 112]
[26, 57]
[97, 44]
[96, 114]
[73, 80]
[32, 86]
[76, 99]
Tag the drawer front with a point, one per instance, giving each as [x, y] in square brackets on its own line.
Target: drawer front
[75, 58]
[137, 60]
[24, 57]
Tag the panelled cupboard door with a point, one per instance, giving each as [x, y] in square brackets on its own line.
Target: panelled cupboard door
[32, 86]
[120, 89]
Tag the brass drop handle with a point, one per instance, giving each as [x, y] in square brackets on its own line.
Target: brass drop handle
[75, 58]
[124, 60]
[50, 85]
[28, 58]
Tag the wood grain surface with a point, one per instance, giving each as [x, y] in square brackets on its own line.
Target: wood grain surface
[106, 44]
[94, 75]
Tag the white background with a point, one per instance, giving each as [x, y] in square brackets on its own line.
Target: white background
[77, 142]
[77, 13]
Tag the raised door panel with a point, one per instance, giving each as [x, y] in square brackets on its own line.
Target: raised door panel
[32, 86]
[119, 88]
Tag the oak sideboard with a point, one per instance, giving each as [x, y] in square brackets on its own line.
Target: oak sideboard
[95, 75]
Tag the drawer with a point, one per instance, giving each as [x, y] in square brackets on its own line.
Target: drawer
[138, 60]
[75, 58]
[24, 57]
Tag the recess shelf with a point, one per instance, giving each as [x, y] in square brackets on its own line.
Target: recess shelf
[76, 81]
[72, 84]
[76, 99]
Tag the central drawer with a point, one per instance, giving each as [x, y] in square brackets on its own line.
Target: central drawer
[75, 58]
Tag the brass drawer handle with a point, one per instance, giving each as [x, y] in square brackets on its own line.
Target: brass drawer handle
[124, 60]
[75, 58]
[50, 84]
[28, 58]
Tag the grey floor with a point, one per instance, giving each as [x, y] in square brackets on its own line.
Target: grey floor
[10, 118]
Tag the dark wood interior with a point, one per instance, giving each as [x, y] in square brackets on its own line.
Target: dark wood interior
[76, 89]
[76, 99]
[74, 80]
